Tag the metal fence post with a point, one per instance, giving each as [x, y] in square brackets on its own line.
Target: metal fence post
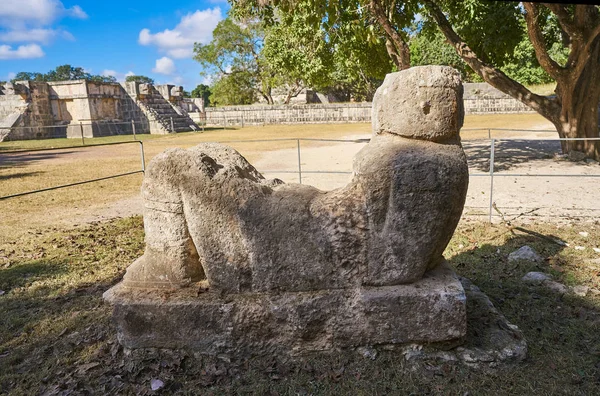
[143, 157]
[489, 133]
[299, 164]
[242, 118]
[172, 126]
[81, 129]
[492, 149]
[133, 129]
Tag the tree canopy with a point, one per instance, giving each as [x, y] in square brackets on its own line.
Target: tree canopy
[202, 91]
[507, 44]
[63, 73]
[141, 79]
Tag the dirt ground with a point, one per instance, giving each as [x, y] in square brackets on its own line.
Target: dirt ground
[522, 153]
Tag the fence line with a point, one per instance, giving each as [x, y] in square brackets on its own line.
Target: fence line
[492, 160]
[491, 173]
[142, 170]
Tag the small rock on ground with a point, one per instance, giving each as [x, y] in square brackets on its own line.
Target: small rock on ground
[156, 384]
[581, 290]
[525, 253]
[556, 287]
[536, 278]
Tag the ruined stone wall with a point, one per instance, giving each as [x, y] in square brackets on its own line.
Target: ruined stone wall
[482, 98]
[479, 98]
[25, 112]
[282, 114]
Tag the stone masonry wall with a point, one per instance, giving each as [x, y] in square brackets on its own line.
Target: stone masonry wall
[479, 98]
[281, 114]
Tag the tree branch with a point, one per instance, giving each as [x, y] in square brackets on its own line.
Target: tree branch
[555, 70]
[495, 77]
[402, 54]
[565, 20]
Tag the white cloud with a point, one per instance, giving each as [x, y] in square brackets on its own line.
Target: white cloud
[11, 75]
[18, 13]
[28, 51]
[77, 12]
[29, 21]
[109, 73]
[119, 76]
[164, 65]
[193, 28]
[43, 36]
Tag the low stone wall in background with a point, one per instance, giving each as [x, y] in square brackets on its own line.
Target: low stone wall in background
[333, 112]
[286, 114]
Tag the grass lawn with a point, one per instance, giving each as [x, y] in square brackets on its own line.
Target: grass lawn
[56, 336]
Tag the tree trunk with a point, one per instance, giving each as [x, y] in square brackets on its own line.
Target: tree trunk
[396, 47]
[579, 101]
[293, 92]
[574, 111]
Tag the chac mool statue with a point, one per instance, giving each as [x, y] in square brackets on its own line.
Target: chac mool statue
[291, 268]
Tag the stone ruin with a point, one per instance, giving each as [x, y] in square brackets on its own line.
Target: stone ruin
[242, 265]
[34, 109]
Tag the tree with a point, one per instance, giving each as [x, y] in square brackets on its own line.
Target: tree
[233, 89]
[341, 53]
[234, 54]
[141, 79]
[28, 76]
[428, 47]
[63, 73]
[574, 109]
[298, 53]
[202, 91]
[488, 36]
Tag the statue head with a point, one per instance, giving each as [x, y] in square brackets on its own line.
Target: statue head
[423, 102]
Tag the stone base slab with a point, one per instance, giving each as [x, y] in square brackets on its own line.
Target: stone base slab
[431, 310]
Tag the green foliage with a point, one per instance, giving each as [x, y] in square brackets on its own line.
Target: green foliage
[233, 89]
[297, 52]
[202, 91]
[429, 47]
[234, 56]
[63, 73]
[492, 28]
[141, 79]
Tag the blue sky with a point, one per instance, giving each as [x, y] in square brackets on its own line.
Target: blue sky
[107, 37]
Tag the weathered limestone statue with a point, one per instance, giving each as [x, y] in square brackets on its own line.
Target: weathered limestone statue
[237, 263]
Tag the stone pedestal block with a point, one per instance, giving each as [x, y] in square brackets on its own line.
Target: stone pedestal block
[433, 309]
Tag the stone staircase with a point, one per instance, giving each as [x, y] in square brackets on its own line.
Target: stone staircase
[160, 112]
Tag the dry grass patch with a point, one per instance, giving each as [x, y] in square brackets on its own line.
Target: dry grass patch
[56, 336]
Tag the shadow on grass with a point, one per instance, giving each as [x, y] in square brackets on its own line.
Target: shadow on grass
[561, 329]
[18, 175]
[21, 159]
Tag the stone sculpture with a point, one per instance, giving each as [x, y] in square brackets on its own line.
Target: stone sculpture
[236, 263]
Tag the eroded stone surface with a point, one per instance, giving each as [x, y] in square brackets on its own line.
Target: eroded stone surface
[291, 268]
[432, 309]
[209, 213]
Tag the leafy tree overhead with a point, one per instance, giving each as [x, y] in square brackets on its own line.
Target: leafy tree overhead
[235, 52]
[491, 38]
[141, 79]
[233, 89]
[553, 30]
[202, 91]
